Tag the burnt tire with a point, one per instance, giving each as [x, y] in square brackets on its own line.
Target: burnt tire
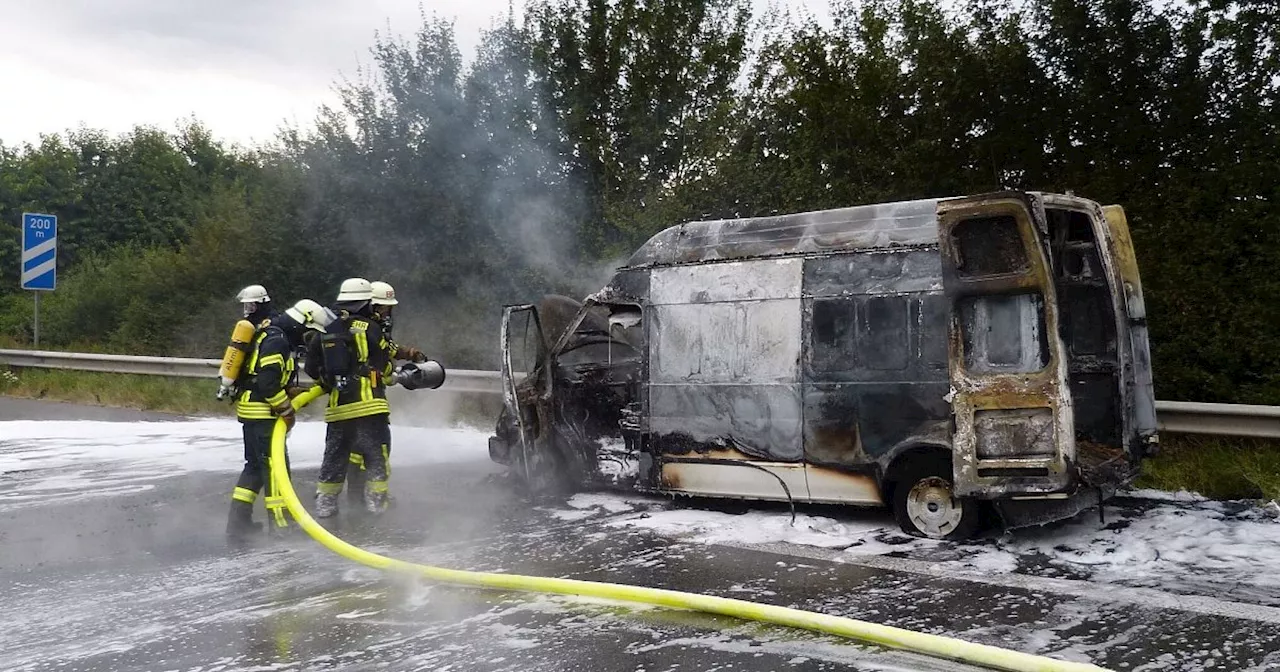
[925, 505]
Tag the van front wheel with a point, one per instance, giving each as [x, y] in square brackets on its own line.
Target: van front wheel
[926, 506]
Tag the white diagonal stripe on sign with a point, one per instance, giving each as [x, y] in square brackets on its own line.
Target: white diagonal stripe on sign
[39, 249]
[40, 270]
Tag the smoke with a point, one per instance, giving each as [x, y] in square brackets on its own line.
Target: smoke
[459, 193]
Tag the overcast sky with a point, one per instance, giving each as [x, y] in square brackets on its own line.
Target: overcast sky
[243, 67]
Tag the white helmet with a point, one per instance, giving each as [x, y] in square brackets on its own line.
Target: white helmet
[383, 294]
[253, 294]
[311, 314]
[355, 289]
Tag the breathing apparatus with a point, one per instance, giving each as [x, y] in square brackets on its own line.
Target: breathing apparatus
[253, 301]
[234, 356]
[354, 296]
[384, 297]
[304, 314]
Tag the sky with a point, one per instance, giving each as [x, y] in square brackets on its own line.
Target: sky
[244, 68]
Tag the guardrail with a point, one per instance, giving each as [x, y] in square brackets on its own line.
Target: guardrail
[456, 380]
[1183, 417]
[1192, 417]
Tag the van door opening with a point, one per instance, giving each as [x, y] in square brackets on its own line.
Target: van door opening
[1087, 325]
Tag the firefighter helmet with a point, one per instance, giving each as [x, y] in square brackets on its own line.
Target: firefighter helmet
[310, 314]
[355, 289]
[253, 294]
[383, 294]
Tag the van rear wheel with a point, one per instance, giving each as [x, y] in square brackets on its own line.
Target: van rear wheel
[925, 505]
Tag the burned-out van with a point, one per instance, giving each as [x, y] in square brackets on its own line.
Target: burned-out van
[941, 357]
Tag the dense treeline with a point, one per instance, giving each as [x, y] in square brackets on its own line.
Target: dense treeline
[585, 126]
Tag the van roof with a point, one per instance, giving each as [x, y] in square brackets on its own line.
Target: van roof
[879, 225]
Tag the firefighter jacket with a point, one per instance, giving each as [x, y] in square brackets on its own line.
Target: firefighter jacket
[366, 390]
[395, 351]
[267, 373]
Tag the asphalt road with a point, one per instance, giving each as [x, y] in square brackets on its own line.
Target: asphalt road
[143, 579]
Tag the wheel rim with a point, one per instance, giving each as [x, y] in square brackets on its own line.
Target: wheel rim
[932, 509]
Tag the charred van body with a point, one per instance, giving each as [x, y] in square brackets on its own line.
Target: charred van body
[932, 356]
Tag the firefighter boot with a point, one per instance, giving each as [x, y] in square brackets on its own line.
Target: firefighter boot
[355, 481]
[240, 525]
[326, 505]
[375, 498]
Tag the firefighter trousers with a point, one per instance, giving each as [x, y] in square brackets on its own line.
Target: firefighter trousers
[363, 436]
[356, 474]
[256, 474]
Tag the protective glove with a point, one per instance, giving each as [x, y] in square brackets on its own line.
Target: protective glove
[285, 411]
[415, 355]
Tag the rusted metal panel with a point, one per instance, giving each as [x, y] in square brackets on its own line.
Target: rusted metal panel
[626, 286]
[738, 343]
[761, 420]
[723, 370]
[876, 339]
[984, 271]
[731, 281]
[1120, 248]
[874, 272]
[1014, 432]
[904, 223]
[875, 364]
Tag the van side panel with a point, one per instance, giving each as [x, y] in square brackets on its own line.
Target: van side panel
[875, 367]
[724, 344]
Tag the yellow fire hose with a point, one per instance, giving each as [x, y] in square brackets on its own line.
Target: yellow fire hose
[933, 645]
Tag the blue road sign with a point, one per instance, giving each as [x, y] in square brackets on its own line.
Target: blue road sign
[39, 251]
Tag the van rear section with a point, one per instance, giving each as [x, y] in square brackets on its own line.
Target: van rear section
[943, 357]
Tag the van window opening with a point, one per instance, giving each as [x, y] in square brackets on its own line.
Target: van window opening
[989, 246]
[1004, 333]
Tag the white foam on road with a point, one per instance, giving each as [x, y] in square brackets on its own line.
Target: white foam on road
[1178, 543]
[78, 459]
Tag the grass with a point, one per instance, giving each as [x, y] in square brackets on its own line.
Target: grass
[1217, 467]
[185, 396]
[148, 393]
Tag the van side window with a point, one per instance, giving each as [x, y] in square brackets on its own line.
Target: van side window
[870, 333]
[884, 337]
[1004, 333]
[988, 246]
[832, 320]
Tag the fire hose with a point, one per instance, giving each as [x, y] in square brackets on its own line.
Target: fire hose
[898, 638]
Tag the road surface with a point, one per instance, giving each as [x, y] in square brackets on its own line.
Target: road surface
[113, 557]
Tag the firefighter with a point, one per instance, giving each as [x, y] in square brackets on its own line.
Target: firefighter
[384, 300]
[256, 304]
[268, 377]
[257, 311]
[351, 363]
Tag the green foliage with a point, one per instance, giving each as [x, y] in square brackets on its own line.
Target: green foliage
[146, 393]
[582, 129]
[1216, 467]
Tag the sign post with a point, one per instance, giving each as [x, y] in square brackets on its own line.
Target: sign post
[39, 258]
